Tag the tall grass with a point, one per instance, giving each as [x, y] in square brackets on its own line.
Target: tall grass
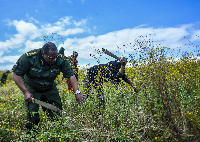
[166, 107]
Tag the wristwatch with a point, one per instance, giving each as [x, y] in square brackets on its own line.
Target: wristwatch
[77, 92]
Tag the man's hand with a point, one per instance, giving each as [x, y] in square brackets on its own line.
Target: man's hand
[123, 61]
[81, 98]
[28, 97]
[20, 83]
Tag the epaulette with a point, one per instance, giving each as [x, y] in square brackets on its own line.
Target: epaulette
[32, 52]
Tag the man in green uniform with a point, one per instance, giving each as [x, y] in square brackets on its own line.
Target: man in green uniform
[35, 72]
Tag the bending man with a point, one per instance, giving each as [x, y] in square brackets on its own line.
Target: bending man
[96, 75]
[35, 72]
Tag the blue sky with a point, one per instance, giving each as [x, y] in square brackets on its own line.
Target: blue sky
[86, 25]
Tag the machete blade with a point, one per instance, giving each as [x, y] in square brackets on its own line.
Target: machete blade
[47, 105]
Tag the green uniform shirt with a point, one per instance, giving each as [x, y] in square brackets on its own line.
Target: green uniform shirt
[37, 73]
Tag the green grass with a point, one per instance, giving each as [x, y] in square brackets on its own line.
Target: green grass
[166, 108]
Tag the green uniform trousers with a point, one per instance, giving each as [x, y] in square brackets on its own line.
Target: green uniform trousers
[50, 96]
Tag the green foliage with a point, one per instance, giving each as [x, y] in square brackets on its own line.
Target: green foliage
[166, 107]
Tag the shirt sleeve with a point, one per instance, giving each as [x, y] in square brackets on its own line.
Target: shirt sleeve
[124, 77]
[67, 69]
[22, 66]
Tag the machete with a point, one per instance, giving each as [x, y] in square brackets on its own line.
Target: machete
[47, 105]
[112, 55]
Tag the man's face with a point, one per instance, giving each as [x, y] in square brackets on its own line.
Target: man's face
[50, 57]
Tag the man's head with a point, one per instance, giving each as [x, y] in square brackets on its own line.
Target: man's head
[75, 54]
[50, 53]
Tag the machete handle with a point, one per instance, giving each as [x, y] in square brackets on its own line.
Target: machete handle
[33, 101]
[110, 54]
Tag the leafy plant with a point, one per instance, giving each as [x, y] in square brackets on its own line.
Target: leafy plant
[166, 107]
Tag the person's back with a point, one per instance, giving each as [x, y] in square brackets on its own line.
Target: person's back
[106, 71]
[113, 67]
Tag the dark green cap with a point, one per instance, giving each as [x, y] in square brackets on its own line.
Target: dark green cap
[61, 51]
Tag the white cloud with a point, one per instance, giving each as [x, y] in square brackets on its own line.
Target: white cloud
[71, 32]
[24, 31]
[6, 67]
[27, 31]
[31, 19]
[1, 53]
[171, 34]
[29, 36]
[30, 45]
[64, 21]
[82, 22]
[14, 42]
[172, 37]
[61, 26]
[51, 29]
[11, 59]
[24, 28]
[196, 36]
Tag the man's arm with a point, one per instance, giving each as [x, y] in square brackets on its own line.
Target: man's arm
[80, 97]
[20, 83]
[131, 83]
[123, 63]
[68, 73]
